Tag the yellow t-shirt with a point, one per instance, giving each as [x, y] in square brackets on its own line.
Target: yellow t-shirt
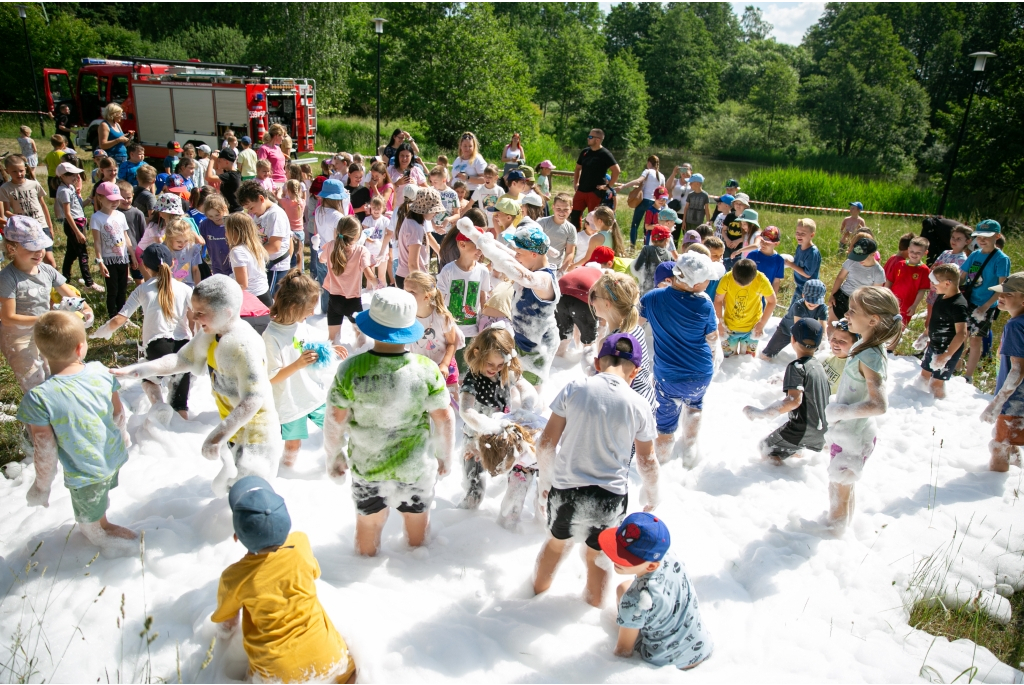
[286, 632]
[742, 308]
[834, 372]
[52, 159]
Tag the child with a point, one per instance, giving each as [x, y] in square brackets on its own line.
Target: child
[212, 231]
[716, 250]
[543, 185]
[687, 352]
[185, 252]
[614, 298]
[112, 244]
[76, 416]
[334, 202]
[810, 305]
[249, 434]
[129, 168]
[293, 202]
[221, 174]
[384, 399]
[171, 160]
[52, 159]
[25, 285]
[652, 216]
[347, 263]
[450, 201]
[768, 262]
[807, 393]
[442, 163]
[903, 249]
[536, 293]
[599, 422]
[985, 267]
[263, 177]
[602, 229]
[287, 635]
[145, 191]
[68, 209]
[658, 614]
[374, 227]
[486, 195]
[136, 222]
[441, 335]
[247, 256]
[947, 329]
[697, 207]
[296, 377]
[659, 250]
[413, 240]
[560, 232]
[1006, 407]
[841, 343]
[723, 206]
[25, 196]
[275, 229]
[851, 226]
[464, 285]
[609, 198]
[907, 278]
[959, 239]
[874, 314]
[247, 160]
[166, 303]
[28, 147]
[738, 304]
[861, 268]
[806, 263]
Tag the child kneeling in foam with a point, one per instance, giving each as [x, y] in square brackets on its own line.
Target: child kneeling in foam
[658, 614]
[76, 416]
[286, 633]
[385, 399]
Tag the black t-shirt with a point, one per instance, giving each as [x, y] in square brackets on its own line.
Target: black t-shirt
[489, 393]
[229, 183]
[144, 201]
[136, 223]
[64, 127]
[595, 165]
[359, 196]
[947, 312]
[807, 424]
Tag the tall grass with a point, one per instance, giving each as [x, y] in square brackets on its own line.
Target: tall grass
[782, 158]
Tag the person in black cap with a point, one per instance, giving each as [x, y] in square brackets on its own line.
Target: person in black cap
[807, 391]
[222, 175]
[286, 633]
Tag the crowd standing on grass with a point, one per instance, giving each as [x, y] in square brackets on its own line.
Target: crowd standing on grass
[478, 275]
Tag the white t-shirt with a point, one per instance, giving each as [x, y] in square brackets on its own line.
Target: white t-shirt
[485, 197]
[113, 230]
[433, 345]
[412, 233]
[326, 219]
[652, 179]
[463, 292]
[471, 167]
[604, 416]
[240, 256]
[373, 234]
[679, 189]
[275, 224]
[155, 324]
[304, 391]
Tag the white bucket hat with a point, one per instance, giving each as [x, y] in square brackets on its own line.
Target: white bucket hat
[391, 318]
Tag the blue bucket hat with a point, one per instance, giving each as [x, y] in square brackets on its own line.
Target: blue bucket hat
[391, 317]
[333, 190]
[259, 514]
[814, 292]
[531, 238]
[697, 178]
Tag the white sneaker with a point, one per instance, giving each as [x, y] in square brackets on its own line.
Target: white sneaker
[81, 281]
[98, 288]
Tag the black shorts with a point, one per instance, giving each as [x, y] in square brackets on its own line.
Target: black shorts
[372, 497]
[339, 307]
[777, 446]
[584, 512]
[842, 304]
[979, 329]
[945, 373]
[569, 311]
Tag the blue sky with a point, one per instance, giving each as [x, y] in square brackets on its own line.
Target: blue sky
[790, 19]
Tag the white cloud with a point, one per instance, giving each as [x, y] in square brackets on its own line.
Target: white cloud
[790, 19]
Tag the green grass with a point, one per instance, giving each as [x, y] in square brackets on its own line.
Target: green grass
[1005, 642]
[9, 124]
[823, 161]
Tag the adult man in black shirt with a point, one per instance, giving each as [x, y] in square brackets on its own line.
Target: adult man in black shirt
[63, 125]
[591, 166]
[230, 179]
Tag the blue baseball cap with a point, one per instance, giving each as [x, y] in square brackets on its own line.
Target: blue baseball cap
[858, 205]
[807, 332]
[663, 272]
[669, 214]
[642, 537]
[259, 514]
[515, 175]
[814, 292]
[333, 190]
[246, 139]
[697, 178]
[727, 199]
[987, 228]
[531, 238]
[623, 346]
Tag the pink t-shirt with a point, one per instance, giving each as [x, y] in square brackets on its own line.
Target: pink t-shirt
[350, 283]
[294, 210]
[277, 161]
[380, 191]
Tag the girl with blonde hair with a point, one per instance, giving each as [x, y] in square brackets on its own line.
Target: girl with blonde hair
[441, 335]
[247, 256]
[602, 229]
[615, 300]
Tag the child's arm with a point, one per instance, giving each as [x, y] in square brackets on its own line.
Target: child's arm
[45, 463]
[285, 372]
[714, 341]
[451, 339]
[9, 315]
[794, 397]
[875, 405]
[503, 259]
[840, 279]
[371, 278]
[647, 465]
[959, 339]
[120, 420]
[627, 639]
[96, 248]
[167, 365]
[414, 254]
[196, 276]
[775, 285]
[46, 213]
[982, 311]
[444, 428]
[385, 245]
[108, 329]
[546, 451]
[719, 312]
[1013, 379]
[766, 316]
[335, 427]
[432, 242]
[242, 275]
[917, 301]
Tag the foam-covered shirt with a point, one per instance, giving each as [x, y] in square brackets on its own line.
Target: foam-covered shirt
[1011, 345]
[389, 398]
[680, 322]
[79, 409]
[662, 605]
[306, 389]
[533, 319]
[858, 434]
[743, 307]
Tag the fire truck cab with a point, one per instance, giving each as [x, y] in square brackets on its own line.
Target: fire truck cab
[185, 101]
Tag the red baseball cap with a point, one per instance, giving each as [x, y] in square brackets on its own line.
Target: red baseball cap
[659, 233]
[603, 255]
[660, 191]
[770, 235]
[462, 238]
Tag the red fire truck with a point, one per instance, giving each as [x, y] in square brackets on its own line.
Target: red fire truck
[186, 101]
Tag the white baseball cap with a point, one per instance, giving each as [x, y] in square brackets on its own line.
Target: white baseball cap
[68, 168]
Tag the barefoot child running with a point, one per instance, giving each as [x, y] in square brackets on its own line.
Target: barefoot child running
[385, 400]
[76, 417]
[873, 314]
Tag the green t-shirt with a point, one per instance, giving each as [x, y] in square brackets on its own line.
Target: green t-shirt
[389, 398]
[81, 413]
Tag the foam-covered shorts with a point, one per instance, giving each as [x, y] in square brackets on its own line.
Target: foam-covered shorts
[777, 446]
[846, 464]
[582, 513]
[672, 395]
[409, 498]
[1009, 430]
[537, 364]
[944, 373]
[90, 502]
[979, 329]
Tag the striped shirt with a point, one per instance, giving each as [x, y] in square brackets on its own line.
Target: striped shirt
[643, 384]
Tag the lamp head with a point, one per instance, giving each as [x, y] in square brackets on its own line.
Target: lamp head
[21, 12]
[378, 25]
[979, 59]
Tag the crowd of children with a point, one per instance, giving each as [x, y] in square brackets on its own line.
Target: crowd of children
[477, 282]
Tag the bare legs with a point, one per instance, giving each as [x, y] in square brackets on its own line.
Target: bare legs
[666, 448]
[291, 452]
[551, 556]
[370, 527]
[841, 505]
[973, 356]
[113, 541]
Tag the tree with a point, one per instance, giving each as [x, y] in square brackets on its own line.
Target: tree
[774, 95]
[620, 108]
[753, 24]
[628, 27]
[722, 24]
[569, 72]
[682, 74]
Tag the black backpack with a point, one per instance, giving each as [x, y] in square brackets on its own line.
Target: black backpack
[937, 230]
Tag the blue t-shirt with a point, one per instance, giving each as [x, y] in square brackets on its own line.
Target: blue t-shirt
[171, 162]
[127, 170]
[1012, 345]
[711, 289]
[998, 267]
[810, 261]
[529, 313]
[216, 247]
[680, 322]
[662, 605]
[79, 409]
[772, 266]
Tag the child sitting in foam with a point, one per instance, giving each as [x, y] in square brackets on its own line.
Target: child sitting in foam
[235, 356]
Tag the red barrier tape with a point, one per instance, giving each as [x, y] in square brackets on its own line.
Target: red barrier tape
[833, 209]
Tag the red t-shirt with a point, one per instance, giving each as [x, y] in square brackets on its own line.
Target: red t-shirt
[578, 282]
[907, 281]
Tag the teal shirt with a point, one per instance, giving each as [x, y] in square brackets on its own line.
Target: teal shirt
[80, 411]
[389, 399]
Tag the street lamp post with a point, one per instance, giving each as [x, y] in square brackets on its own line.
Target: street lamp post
[979, 68]
[378, 27]
[23, 13]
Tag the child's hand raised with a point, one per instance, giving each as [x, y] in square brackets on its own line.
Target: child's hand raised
[341, 351]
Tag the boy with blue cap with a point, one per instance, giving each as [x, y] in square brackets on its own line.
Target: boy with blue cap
[984, 268]
[384, 400]
[697, 207]
[851, 226]
[807, 392]
[658, 612]
[809, 305]
[286, 633]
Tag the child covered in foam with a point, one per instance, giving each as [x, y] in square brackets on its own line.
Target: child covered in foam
[236, 358]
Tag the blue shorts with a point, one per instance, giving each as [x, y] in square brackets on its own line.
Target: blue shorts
[672, 395]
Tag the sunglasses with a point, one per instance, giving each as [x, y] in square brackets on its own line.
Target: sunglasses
[593, 137]
[467, 136]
